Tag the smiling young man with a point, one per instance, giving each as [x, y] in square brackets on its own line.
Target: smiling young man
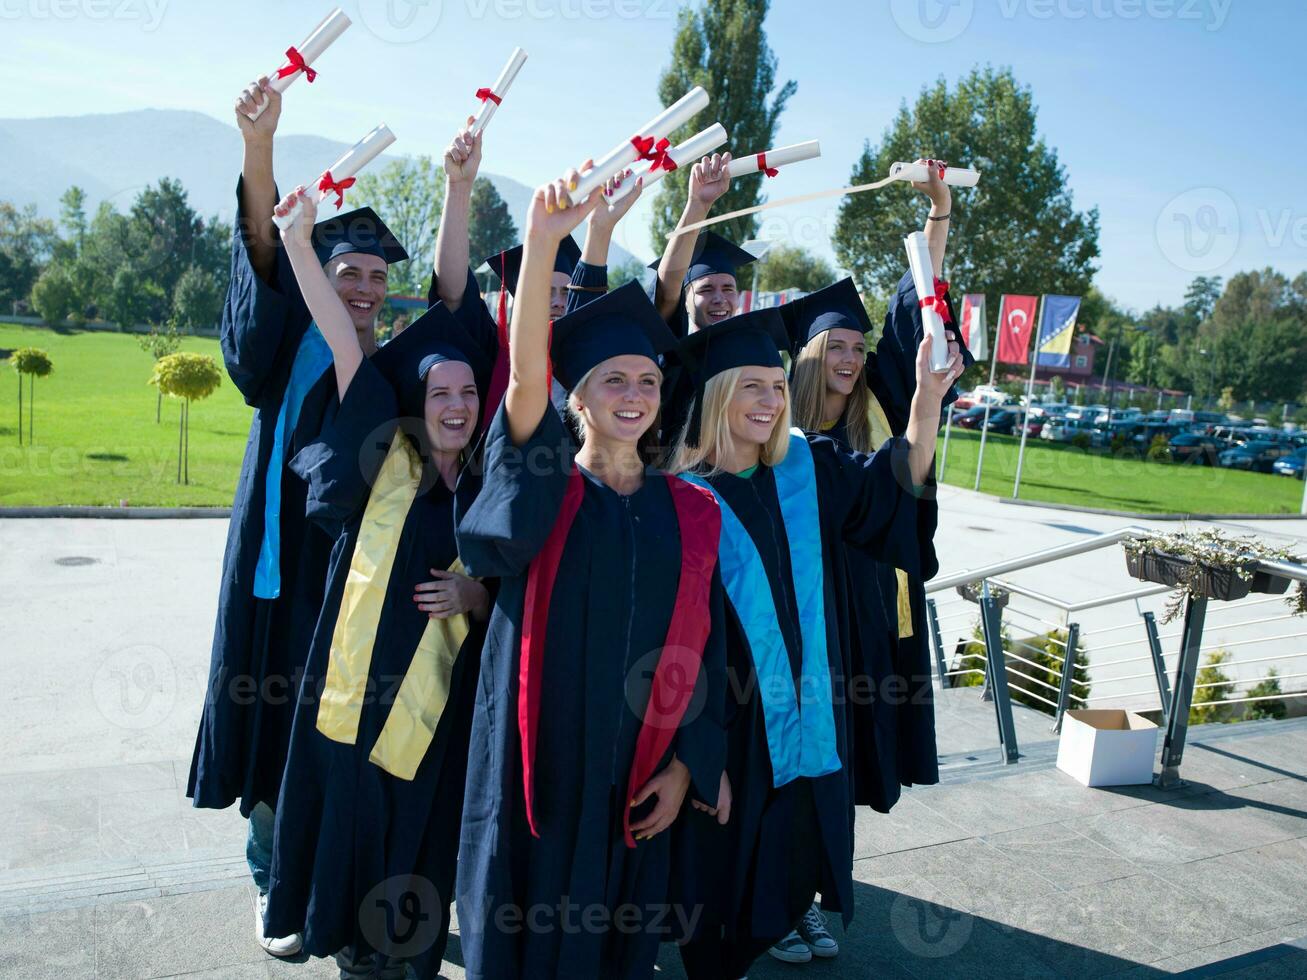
[275, 566]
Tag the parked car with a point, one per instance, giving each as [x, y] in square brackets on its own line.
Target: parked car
[1255, 456]
[1199, 450]
[988, 394]
[1065, 429]
[1291, 465]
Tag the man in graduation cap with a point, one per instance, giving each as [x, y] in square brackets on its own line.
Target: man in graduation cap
[275, 564]
[696, 285]
[579, 275]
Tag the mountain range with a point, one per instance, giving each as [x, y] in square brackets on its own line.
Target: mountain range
[114, 156]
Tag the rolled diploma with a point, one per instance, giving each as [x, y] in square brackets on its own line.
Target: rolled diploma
[953, 176]
[781, 156]
[923, 277]
[501, 87]
[624, 154]
[332, 27]
[354, 159]
[698, 145]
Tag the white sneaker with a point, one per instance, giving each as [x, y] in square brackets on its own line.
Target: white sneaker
[812, 928]
[791, 949]
[286, 946]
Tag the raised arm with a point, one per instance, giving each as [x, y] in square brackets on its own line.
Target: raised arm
[709, 180]
[941, 207]
[527, 397]
[923, 421]
[462, 161]
[604, 218]
[328, 311]
[259, 189]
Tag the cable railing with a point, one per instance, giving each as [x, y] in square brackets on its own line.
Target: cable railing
[977, 612]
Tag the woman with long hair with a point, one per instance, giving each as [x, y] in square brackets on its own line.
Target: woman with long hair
[792, 505]
[600, 705]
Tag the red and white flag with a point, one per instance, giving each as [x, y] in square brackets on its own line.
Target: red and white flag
[1016, 322]
[975, 332]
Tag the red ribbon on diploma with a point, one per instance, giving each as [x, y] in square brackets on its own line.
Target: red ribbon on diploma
[327, 186]
[762, 165]
[661, 159]
[937, 303]
[484, 93]
[296, 64]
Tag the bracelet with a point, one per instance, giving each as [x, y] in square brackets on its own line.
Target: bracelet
[942, 217]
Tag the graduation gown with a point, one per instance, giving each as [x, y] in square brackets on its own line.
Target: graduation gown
[757, 875]
[523, 900]
[367, 832]
[260, 644]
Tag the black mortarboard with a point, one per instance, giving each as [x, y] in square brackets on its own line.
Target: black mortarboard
[360, 230]
[508, 263]
[838, 305]
[753, 338]
[433, 337]
[713, 254]
[620, 322]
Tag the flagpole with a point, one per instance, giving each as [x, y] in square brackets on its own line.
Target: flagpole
[943, 456]
[984, 425]
[1030, 392]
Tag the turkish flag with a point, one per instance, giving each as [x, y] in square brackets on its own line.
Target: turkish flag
[1016, 322]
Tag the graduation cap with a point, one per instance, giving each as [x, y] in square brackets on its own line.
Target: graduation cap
[835, 306]
[432, 338]
[712, 254]
[620, 322]
[751, 339]
[508, 263]
[360, 230]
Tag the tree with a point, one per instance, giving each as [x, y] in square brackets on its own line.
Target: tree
[133, 298]
[196, 302]
[624, 272]
[1017, 233]
[1226, 402]
[1201, 296]
[490, 226]
[190, 377]
[1254, 341]
[792, 267]
[164, 231]
[72, 215]
[409, 194]
[55, 295]
[159, 344]
[26, 243]
[35, 363]
[723, 47]
[1267, 687]
[1212, 684]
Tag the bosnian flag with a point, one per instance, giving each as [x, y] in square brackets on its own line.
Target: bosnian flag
[1016, 322]
[974, 332]
[1057, 328]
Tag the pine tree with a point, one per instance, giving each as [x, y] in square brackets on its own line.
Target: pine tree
[490, 226]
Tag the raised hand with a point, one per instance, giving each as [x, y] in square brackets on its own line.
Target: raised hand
[932, 386]
[553, 215]
[605, 215]
[463, 155]
[710, 179]
[258, 92]
[301, 230]
[933, 187]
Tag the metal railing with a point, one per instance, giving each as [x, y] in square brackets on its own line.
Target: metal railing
[1063, 626]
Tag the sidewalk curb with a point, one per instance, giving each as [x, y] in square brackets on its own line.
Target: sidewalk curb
[117, 513]
[1144, 516]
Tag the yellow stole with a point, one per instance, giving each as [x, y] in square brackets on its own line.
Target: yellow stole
[880, 431]
[411, 723]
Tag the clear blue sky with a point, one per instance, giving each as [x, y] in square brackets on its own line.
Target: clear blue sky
[1180, 119]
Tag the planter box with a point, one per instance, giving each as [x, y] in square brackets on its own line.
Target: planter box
[1212, 581]
[972, 592]
[1107, 747]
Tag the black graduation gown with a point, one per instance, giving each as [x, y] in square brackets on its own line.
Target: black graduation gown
[260, 645]
[361, 857]
[756, 876]
[608, 618]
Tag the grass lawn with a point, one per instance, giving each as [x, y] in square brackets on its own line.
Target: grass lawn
[97, 443]
[1058, 473]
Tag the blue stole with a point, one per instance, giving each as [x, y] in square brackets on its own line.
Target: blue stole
[800, 729]
[312, 358]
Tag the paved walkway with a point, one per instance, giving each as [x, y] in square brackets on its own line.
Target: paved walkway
[105, 870]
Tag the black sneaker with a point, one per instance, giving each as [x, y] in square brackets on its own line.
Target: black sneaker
[791, 949]
[812, 929]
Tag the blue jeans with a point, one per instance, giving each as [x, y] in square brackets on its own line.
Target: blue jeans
[258, 845]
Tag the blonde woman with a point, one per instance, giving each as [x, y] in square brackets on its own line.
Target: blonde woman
[791, 506]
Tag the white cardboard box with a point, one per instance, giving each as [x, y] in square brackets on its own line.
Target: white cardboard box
[1107, 747]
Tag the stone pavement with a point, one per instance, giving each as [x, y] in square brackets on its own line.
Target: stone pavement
[106, 871]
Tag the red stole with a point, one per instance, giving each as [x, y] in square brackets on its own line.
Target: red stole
[699, 521]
